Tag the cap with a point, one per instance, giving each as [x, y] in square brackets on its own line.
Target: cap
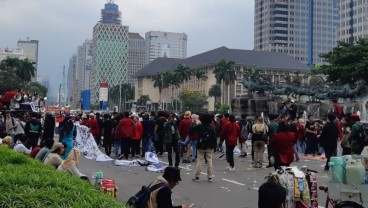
[91, 114]
[84, 116]
[172, 173]
[56, 146]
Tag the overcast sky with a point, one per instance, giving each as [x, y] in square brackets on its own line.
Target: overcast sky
[62, 25]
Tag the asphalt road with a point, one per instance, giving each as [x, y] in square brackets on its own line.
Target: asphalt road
[237, 189]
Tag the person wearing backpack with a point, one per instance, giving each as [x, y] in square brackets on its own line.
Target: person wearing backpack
[158, 193]
[355, 138]
[243, 124]
[205, 145]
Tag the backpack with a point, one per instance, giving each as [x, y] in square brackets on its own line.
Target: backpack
[140, 199]
[207, 138]
[363, 135]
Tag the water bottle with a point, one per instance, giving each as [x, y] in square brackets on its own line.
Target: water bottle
[98, 177]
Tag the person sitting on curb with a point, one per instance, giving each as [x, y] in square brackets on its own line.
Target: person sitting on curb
[20, 146]
[161, 197]
[41, 155]
[70, 164]
[53, 159]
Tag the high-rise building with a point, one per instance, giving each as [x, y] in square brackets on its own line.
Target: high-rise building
[353, 20]
[72, 82]
[136, 55]
[166, 44]
[303, 29]
[110, 51]
[30, 50]
[84, 67]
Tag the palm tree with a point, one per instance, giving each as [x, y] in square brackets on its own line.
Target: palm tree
[215, 91]
[182, 73]
[225, 73]
[26, 70]
[200, 75]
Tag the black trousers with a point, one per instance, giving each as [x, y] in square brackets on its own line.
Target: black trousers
[135, 147]
[173, 145]
[329, 152]
[107, 144]
[159, 145]
[125, 146]
[230, 154]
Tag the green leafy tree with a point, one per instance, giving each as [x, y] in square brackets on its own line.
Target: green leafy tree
[182, 73]
[215, 91]
[142, 100]
[38, 88]
[348, 62]
[224, 108]
[192, 100]
[200, 75]
[225, 72]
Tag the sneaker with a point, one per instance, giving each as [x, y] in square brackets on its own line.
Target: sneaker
[210, 179]
[196, 179]
[231, 169]
[269, 166]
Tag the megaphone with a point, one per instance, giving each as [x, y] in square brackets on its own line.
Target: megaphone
[67, 106]
[56, 104]
[37, 109]
[42, 109]
[18, 97]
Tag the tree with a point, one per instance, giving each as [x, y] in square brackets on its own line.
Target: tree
[215, 91]
[225, 72]
[182, 73]
[192, 100]
[224, 108]
[38, 88]
[142, 100]
[348, 62]
[200, 75]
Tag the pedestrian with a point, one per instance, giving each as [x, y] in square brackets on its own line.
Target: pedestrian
[100, 126]
[48, 127]
[148, 134]
[271, 195]
[171, 139]
[272, 129]
[107, 128]
[345, 143]
[192, 139]
[300, 136]
[19, 130]
[354, 139]
[184, 134]
[92, 124]
[337, 109]
[10, 125]
[283, 145]
[329, 137]
[243, 125]
[159, 132]
[231, 135]
[117, 142]
[311, 136]
[136, 139]
[205, 145]
[33, 130]
[259, 138]
[126, 129]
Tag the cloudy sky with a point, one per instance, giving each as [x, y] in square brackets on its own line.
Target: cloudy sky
[62, 25]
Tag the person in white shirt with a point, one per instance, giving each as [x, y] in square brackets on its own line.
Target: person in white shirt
[20, 145]
[19, 130]
[10, 125]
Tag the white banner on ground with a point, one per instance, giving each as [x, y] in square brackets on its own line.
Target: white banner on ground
[87, 145]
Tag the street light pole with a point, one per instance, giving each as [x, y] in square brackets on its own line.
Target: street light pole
[59, 94]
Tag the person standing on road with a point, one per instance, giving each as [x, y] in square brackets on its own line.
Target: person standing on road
[184, 133]
[68, 137]
[107, 128]
[159, 133]
[329, 137]
[259, 137]
[161, 197]
[171, 140]
[231, 134]
[205, 145]
[48, 127]
[311, 136]
[283, 145]
[356, 147]
[33, 130]
[10, 126]
[148, 134]
[136, 139]
[272, 129]
[126, 129]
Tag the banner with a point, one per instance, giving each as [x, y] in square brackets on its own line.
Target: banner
[87, 145]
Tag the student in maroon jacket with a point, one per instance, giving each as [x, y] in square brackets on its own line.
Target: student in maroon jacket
[283, 145]
[92, 123]
[231, 134]
[126, 132]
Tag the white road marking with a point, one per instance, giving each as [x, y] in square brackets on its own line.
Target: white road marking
[234, 182]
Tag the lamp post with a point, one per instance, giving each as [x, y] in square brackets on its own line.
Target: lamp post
[59, 94]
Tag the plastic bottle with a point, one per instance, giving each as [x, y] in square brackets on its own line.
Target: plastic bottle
[98, 176]
[355, 172]
[337, 168]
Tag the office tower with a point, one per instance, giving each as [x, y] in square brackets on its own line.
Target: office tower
[303, 29]
[110, 51]
[84, 67]
[136, 55]
[30, 50]
[71, 82]
[353, 20]
[166, 44]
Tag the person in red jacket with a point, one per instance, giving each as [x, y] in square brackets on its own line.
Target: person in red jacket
[93, 126]
[136, 140]
[283, 143]
[126, 131]
[184, 133]
[231, 134]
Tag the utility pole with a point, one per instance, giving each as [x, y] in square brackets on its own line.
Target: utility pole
[59, 95]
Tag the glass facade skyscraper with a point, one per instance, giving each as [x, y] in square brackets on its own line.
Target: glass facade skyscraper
[110, 51]
[30, 50]
[166, 44]
[304, 29]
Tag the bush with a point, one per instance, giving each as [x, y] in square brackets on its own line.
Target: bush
[25, 182]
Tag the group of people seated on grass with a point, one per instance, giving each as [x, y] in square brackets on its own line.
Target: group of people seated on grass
[50, 153]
